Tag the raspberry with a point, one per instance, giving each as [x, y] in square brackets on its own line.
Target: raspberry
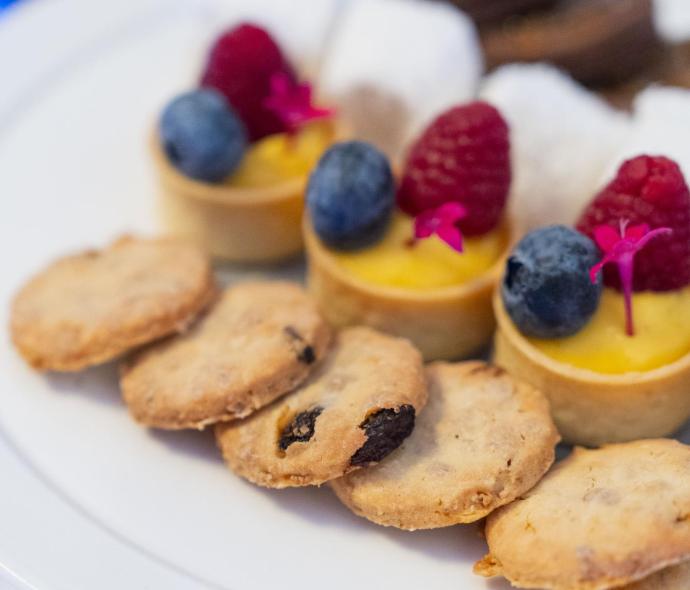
[463, 157]
[651, 190]
[240, 65]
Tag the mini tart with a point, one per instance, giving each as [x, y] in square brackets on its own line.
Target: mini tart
[591, 408]
[239, 224]
[443, 323]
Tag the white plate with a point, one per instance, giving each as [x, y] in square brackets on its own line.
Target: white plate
[89, 500]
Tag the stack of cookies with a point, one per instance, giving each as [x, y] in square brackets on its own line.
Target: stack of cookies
[401, 444]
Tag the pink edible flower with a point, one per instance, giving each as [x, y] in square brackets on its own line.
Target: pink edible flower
[620, 248]
[441, 221]
[292, 102]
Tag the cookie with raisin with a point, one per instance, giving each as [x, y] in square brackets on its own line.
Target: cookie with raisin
[482, 440]
[258, 342]
[357, 407]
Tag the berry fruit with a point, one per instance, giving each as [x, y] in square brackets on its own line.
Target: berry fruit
[647, 190]
[202, 136]
[241, 64]
[546, 288]
[350, 196]
[463, 156]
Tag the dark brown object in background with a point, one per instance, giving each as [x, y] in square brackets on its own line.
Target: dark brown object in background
[492, 11]
[599, 42]
[673, 69]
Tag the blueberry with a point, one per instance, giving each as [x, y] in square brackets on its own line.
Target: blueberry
[202, 135]
[351, 195]
[546, 287]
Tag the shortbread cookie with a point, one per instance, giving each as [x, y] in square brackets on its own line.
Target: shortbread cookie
[91, 307]
[356, 408]
[258, 342]
[481, 441]
[600, 519]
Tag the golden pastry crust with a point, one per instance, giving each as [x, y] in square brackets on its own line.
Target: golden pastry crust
[245, 224]
[600, 519]
[357, 407]
[258, 342]
[482, 440]
[89, 308]
[590, 408]
[445, 323]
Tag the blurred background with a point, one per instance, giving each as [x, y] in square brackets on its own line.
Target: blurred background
[582, 83]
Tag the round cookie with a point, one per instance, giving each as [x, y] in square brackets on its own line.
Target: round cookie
[600, 519]
[481, 441]
[357, 407]
[259, 341]
[89, 308]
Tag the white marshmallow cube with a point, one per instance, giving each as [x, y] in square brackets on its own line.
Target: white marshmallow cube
[562, 138]
[394, 65]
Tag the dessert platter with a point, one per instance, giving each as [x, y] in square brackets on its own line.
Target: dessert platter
[306, 310]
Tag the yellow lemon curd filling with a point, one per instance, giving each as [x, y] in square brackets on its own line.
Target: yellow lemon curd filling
[277, 158]
[427, 264]
[662, 334]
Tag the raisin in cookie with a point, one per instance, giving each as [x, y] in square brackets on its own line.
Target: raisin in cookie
[258, 342]
[356, 408]
[600, 519]
[481, 441]
[90, 308]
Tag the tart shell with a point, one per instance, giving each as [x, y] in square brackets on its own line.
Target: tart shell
[445, 323]
[256, 224]
[591, 408]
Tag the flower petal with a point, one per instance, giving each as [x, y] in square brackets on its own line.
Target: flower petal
[596, 269]
[636, 232]
[620, 248]
[659, 231]
[424, 225]
[606, 237]
[451, 235]
[451, 212]
[291, 102]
